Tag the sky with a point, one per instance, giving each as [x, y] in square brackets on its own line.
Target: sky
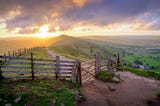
[43, 18]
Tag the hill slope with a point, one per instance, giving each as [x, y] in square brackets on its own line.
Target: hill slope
[9, 44]
[14, 43]
[77, 48]
[138, 41]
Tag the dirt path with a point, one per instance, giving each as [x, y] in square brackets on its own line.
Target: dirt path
[53, 55]
[132, 91]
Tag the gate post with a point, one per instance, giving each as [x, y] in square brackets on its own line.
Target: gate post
[97, 63]
[110, 65]
[79, 76]
[74, 73]
[118, 61]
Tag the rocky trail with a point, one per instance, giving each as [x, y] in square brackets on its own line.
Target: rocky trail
[133, 90]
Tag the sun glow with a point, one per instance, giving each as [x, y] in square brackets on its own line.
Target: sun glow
[43, 31]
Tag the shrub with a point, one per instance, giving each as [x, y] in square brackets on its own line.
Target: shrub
[105, 76]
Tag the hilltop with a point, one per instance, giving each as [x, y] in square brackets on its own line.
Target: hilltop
[73, 47]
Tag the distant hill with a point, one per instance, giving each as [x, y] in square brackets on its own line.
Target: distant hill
[9, 44]
[144, 41]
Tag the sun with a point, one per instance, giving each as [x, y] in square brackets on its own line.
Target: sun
[44, 29]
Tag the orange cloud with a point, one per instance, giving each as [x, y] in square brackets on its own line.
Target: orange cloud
[81, 3]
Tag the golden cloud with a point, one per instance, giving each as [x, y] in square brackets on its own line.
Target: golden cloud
[81, 3]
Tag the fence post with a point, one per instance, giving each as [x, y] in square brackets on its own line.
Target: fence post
[97, 63]
[110, 65]
[5, 59]
[74, 73]
[20, 51]
[24, 52]
[118, 62]
[32, 66]
[79, 76]
[57, 67]
[9, 54]
[1, 77]
[13, 53]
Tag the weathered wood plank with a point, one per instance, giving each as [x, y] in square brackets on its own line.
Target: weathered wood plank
[45, 77]
[63, 61]
[45, 72]
[13, 57]
[66, 69]
[16, 67]
[46, 60]
[66, 72]
[66, 65]
[65, 77]
[14, 62]
[45, 69]
[16, 77]
[9, 71]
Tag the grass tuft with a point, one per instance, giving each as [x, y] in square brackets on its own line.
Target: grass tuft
[105, 76]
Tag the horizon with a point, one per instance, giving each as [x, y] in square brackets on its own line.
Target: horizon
[48, 37]
[51, 18]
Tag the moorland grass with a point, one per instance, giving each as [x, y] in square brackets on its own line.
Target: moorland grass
[144, 73]
[37, 92]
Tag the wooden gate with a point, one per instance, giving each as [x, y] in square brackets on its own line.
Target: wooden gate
[88, 70]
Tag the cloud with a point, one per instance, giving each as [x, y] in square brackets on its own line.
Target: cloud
[67, 14]
[81, 3]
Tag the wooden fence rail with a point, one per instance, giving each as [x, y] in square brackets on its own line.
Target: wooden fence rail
[25, 67]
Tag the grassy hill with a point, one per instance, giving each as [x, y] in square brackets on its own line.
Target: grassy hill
[74, 48]
[84, 48]
[78, 48]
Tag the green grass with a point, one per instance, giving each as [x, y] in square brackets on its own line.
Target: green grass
[77, 48]
[105, 76]
[144, 73]
[37, 92]
[150, 59]
[38, 52]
